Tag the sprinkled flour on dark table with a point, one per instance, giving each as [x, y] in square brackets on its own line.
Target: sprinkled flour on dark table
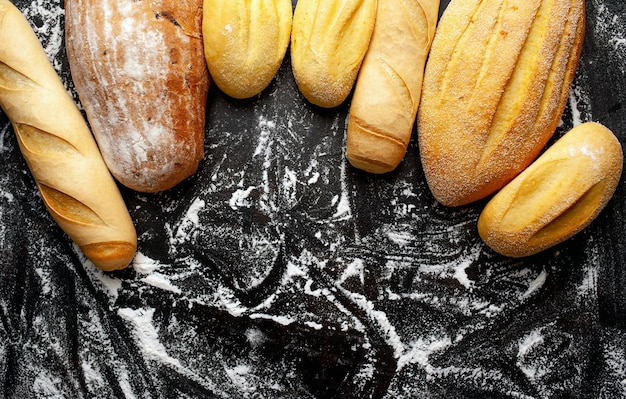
[278, 271]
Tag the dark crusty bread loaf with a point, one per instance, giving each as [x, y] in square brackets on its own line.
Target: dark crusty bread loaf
[141, 76]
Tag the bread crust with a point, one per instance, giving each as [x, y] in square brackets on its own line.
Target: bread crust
[495, 87]
[389, 84]
[328, 42]
[74, 182]
[141, 76]
[557, 196]
[245, 43]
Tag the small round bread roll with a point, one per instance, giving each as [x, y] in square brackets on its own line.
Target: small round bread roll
[245, 43]
[329, 40]
[557, 196]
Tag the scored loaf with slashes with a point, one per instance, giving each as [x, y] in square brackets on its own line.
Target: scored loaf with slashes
[73, 180]
[141, 76]
[495, 87]
[389, 84]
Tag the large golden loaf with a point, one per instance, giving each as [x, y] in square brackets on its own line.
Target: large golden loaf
[495, 87]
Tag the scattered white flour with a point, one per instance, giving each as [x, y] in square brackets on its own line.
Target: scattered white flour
[536, 284]
[240, 376]
[611, 28]
[147, 335]
[283, 320]
[241, 198]
[50, 32]
[526, 346]
[144, 265]
[190, 224]
[420, 350]
[356, 268]
[161, 281]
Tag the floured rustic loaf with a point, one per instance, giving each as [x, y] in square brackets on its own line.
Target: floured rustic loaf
[495, 87]
[140, 73]
[245, 43]
[557, 196]
[328, 42]
[389, 84]
[74, 182]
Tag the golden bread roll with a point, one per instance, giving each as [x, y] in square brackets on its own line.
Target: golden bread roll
[495, 87]
[328, 42]
[557, 196]
[245, 43]
[389, 84]
[73, 180]
[141, 76]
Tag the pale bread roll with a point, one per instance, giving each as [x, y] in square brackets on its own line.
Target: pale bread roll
[557, 196]
[245, 43]
[495, 87]
[328, 42]
[58, 147]
[141, 76]
[389, 84]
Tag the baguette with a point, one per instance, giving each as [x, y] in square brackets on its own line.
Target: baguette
[73, 180]
[389, 84]
[141, 76]
[328, 42]
[245, 43]
[557, 196]
[495, 87]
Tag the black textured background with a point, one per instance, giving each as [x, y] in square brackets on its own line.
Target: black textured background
[278, 271]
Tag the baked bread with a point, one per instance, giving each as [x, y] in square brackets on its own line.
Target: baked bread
[557, 196]
[74, 183]
[389, 84]
[141, 76]
[495, 87]
[328, 42]
[245, 43]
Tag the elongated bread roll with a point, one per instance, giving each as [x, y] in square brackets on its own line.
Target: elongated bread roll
[141, 76]
[496, 83]
[245, 43]
[74, 182]
[389, 84]
[557, 196]
[328, 42]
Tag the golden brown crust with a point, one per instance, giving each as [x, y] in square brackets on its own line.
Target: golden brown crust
[73, 180]
[389, 84]
[557, 196]
[245, 43]
[495, 87]
[328, 42]
[140, 73]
